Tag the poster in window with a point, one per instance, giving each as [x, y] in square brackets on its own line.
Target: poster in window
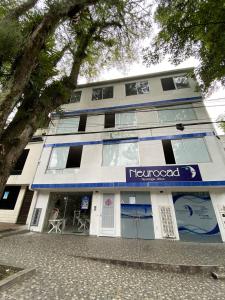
[5, 196]
[85, 202]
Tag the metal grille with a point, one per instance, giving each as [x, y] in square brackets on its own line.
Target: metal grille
[36, 217]
[167, 222]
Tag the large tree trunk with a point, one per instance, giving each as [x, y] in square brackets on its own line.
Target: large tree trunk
[28, 60]
[20, 130]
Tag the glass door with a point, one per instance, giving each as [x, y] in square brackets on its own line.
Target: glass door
[136, 215]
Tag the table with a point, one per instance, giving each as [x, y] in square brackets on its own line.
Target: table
[56, 225]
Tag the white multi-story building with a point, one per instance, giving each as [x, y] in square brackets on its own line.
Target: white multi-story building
[131, 158]
[16, 201]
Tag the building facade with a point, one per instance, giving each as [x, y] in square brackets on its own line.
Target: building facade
[131, 158]
[16, 201]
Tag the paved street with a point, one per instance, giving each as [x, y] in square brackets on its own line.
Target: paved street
[61, 275]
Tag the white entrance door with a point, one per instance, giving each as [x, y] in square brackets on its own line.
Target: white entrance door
[107, 225]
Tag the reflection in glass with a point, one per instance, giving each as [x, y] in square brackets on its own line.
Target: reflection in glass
[97, 94]
[124, 120]
[181, 82]
[68, 125]
[58, 158]
[134, 88]
[142, 87]
[123, 154]
[181, 113]
[190, 151]
[107, 92]
[131, 89]
[75, 97]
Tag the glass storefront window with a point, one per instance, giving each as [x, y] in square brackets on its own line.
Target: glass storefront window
[196, 219]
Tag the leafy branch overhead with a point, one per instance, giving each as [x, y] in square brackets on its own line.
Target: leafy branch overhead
[191, 28]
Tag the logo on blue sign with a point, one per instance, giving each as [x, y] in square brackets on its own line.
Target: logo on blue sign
[163, 173]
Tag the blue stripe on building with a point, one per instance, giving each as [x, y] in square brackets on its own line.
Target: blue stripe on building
[128, 106]
[130, 184]
[134, 139]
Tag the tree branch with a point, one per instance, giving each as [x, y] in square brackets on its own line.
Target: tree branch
[21, 9]
[203, 24]
[28, 60]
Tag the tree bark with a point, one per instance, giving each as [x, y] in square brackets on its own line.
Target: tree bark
[17, 135]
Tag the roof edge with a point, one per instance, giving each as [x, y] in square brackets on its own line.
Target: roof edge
[136, 77]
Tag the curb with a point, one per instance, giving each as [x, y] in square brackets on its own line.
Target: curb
[15, 278]
[176, 268]
[13, 232]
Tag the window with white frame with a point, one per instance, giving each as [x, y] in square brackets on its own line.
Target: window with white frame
[136, 88]
[68, 125]
[173, 83]
[178, 113]
[125, 120]
[102, 93]
[185, 151]
[120, 154]
[65, 157]
[64, 125]
[58, 158]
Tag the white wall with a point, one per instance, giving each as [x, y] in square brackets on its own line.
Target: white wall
[10, 216]
[23, 180]
[150, 152]
[41, 202]
[120, 98]
[218, 202]
[30, 166]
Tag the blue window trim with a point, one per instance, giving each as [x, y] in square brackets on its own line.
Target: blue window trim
[127, 106]
[130, 184]
[133, 139]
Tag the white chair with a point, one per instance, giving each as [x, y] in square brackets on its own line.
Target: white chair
[54, 222]
[56, 225]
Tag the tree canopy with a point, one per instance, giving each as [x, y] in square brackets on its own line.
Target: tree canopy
[191, 28]
[45, 45]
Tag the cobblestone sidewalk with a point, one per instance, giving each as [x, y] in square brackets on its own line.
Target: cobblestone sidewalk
[61, 276]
